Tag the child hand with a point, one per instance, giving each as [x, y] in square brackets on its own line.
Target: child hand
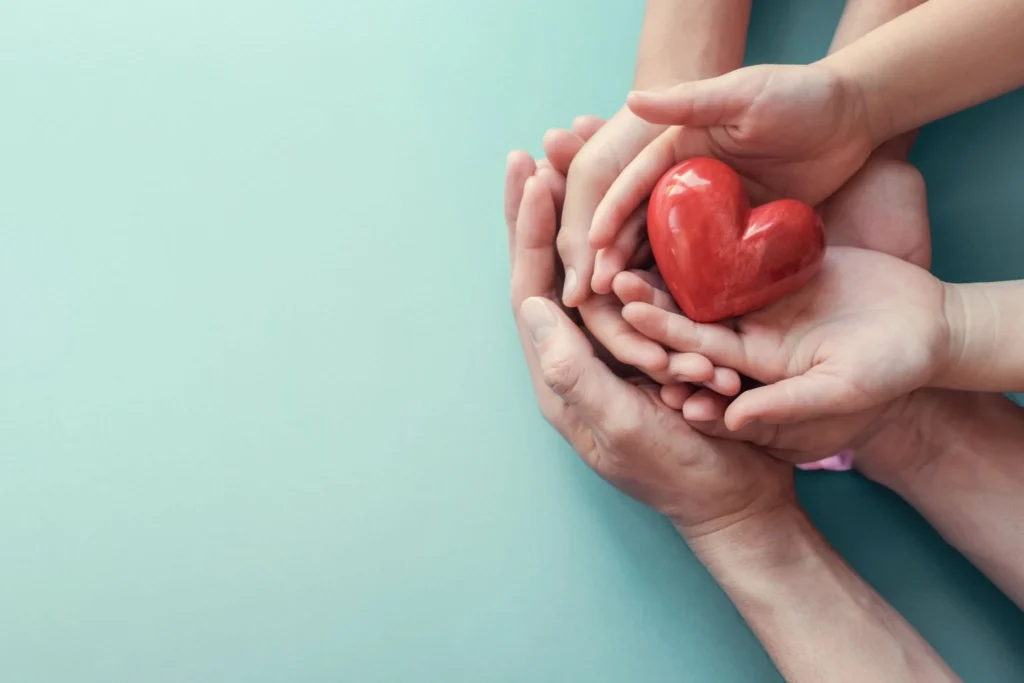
[868, 329]
[790, 131]
[591, 157]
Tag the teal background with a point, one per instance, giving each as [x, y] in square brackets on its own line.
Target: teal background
[263, 416]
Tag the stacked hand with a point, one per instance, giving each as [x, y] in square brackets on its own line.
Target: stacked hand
[590, 155]
[790, 131]
[621, 428]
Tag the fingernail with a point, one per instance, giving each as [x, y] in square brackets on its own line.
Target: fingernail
[571, 280]
[537, 317]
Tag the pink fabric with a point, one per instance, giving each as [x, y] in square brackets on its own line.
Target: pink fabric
[840, 462]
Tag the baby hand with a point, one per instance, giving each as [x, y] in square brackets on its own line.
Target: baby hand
[868, 329]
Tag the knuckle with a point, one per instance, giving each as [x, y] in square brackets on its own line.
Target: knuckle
[622, 429]
[562, 375]
[594, 165]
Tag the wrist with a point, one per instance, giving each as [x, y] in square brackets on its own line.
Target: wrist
[773, 540]
[955, 316]
[902, 446]
[932, 430]
[877, 113]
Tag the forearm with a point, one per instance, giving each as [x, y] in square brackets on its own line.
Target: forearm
[818, 620]
[934, 60]
[859, 18]
[967, 478]
[986, 323]
[685, 40]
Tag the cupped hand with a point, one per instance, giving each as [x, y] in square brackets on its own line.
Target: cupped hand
[601, 314]
[606, 148]
[621, 429]
[883, 207]
[798, 443]
[790, 131]
[868, 329]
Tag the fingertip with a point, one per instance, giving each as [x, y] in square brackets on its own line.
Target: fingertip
[735, 417]
[636, 312]
[726, 381]
[659, 359]
[620, 288]
[600, 236]
[691, 367]
[699, 408]
[674, 396]
[639, 101]
[570, 289]
[552, 178]
[586, 122]
[517, 157]
[550, 137]
[630, 311]
[606, 267]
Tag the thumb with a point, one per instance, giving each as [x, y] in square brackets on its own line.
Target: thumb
[699, 104]
[567, 361]
[795, 399]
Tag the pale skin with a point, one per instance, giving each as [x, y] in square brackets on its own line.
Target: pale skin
[775, 566]
[883, 207]
[890, 81]
[868, 329]
[680, 40]
[955, 456]
[734, 505]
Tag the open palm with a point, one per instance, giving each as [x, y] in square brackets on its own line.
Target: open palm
[868, 329]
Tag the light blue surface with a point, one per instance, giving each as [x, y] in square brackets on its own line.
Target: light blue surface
[263, 415]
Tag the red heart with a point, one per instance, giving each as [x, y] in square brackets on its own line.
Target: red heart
[719, 258]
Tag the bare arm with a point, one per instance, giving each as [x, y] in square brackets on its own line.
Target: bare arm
[682, 41]
[958, 458]
[986, 322]
[818, 620]
[936, 59]
[859, 18]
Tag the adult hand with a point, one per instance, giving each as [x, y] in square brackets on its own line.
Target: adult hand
[789, 131]
[622, 430]
[883, 207]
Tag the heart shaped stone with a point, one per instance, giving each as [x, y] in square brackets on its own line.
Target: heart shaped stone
[719, 258]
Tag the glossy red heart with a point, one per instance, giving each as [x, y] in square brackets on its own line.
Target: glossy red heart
[719, 258]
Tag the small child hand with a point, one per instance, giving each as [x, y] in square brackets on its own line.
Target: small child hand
[868, 329]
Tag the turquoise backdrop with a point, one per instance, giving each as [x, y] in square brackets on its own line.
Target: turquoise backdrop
[263, 416]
